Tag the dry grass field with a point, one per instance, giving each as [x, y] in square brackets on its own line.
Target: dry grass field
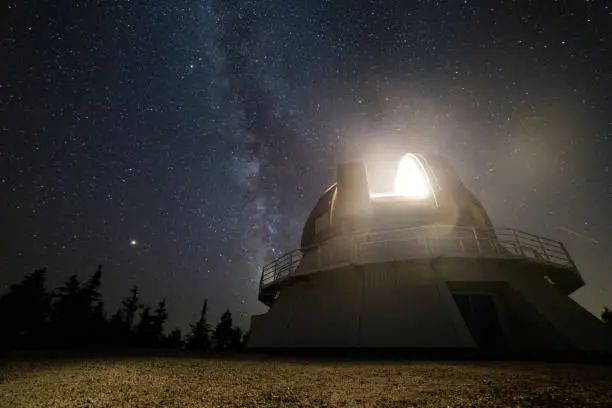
[253, 382]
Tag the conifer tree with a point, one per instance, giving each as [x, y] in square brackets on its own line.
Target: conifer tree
[68, 317]
[130, 306]
[174, 340]
[236, 339]
[24, 312]
[144, 331]
[222, 335]
[606, 315]
[199, 337]
[159, 319]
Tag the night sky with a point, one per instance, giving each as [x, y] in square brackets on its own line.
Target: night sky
[182, 144]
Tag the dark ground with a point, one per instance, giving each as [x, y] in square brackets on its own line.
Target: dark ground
[250, 381]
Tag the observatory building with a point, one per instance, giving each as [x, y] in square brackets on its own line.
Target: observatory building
[420, 267]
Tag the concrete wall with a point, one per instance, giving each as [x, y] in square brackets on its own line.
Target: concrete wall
[524, 328]
[404, 306]
[410, 304]
[533, 305]
[581, 329]
[371, 306]
[321, 312]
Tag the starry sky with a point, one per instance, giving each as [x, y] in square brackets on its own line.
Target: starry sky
[182, 144]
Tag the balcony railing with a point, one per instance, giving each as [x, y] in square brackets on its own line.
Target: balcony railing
[415, 243]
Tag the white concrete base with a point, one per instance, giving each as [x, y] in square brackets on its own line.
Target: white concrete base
[410, 304]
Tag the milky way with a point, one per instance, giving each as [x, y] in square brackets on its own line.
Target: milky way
[206, 131]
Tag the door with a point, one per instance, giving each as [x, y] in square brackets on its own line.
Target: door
[481, 318]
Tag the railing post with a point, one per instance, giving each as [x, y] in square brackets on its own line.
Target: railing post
[274, 270]
[567, 255]
[543, 249]
[296, 262]
[476, 240]
[518, 244]
[494, 240]
[261, 280]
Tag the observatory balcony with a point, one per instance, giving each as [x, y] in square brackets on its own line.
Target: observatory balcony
[426, 242]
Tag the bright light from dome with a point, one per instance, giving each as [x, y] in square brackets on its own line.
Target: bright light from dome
[410, 180]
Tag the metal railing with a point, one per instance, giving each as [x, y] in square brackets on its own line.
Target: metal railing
[414, 243]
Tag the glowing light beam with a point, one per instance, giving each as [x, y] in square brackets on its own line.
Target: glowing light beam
[410, 180]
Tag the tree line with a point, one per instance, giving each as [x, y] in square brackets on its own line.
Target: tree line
[73, 316]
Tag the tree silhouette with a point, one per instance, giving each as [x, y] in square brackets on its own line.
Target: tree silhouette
[159, 319]
[121, 330]
[24, 311]
[99, 326]
[149, 331]
[73, 316]
[77, 317]
[236, 339]
[130, 306]
[94, 307]
[606, 315]
[145, 331]
[199, 338]
[68, 316]
[174, 340]
[117, 330]
[224, 331]
[90, 289]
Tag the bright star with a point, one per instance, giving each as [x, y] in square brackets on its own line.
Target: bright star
[133, 242]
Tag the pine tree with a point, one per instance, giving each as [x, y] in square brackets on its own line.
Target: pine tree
[159, 319]
[121, 324]
[99, 325]
[68, 316]
[606, 315]
[94, 307]
[174, 340]
[117, 330]
[199, 337]
[78, 317]
[145, 331]
[236, 339]
[24, 312]
[70, 289]
[222, 335]
[90, 289]
[130, 306]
